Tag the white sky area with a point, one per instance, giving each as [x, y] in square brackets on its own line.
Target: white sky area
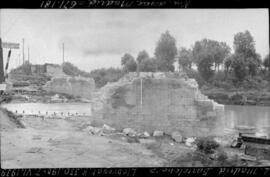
[96, 38]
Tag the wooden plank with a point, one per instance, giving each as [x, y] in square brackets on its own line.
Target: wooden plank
[255, 140]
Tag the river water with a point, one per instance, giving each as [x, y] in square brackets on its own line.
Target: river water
[254, 116]
[50, 109]
[251, 116]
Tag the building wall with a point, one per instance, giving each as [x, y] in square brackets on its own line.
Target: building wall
[38, 69]
[54, 70]
[167, 104]
[74, 86]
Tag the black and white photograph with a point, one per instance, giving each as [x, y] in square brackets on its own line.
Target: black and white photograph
[106, 88]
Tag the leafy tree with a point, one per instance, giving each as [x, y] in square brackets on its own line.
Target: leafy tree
[72, 70]
[185, 59]
[203, 57]
[165, 52]
[266, 62]
[128, 62]
[239, 66]
[253, 64]
[205, 69]
[244, 46]
[103, 76]
[142, 56]
[222, 50]
[148, 65]
[228, 63]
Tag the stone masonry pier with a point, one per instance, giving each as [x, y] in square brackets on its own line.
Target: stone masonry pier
[158, 101]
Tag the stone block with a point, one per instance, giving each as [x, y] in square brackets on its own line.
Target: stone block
[158, 133]
[211, 114]
[129, 132]
[176, 136]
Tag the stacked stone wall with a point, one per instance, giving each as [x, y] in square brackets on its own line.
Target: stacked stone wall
[159, 103]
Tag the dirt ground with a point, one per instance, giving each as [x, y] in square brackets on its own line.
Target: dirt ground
[63, 143]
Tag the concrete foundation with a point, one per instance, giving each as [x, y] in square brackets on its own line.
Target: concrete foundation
[158, 101]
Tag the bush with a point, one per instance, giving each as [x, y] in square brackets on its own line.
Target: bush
[223, 84]
[103, 76]
[22, 69]
[206, 145]
[71, 70]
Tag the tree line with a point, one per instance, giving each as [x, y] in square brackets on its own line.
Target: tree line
[207, 55]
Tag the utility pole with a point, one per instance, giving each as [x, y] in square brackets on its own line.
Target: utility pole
[23, 50]
[63, 52]
[2, 78]
[28, 55]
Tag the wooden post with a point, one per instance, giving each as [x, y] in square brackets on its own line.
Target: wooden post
[23, 50]
[2, 78]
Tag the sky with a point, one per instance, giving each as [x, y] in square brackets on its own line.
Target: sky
[97, 38]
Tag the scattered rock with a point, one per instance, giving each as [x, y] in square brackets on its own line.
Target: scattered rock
[158, 133]
[143, 135]
[129, 132]
[176, 136]
[190, 141]
[107, 129]
[146, 134]
[94, 130]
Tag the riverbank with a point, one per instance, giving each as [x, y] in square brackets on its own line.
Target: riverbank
[238, 96]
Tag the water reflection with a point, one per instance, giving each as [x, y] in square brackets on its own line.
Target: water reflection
[253, 116]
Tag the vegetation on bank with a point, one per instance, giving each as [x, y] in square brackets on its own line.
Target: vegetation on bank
[208, 153]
